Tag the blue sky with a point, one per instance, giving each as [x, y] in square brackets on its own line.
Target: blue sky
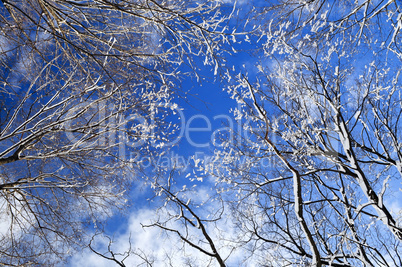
[206, 100]
[206, 109]
[202, 107]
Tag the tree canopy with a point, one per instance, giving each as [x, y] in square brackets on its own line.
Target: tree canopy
[307, 170]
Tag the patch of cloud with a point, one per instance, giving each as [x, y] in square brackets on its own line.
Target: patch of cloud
[140, 242]
[162, 248]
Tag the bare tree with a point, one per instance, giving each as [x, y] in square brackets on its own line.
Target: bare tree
[120, 258]
[317, 165]
[309, 179]
[84, 84]
[191, 220]
[189, 232]
[312, 175]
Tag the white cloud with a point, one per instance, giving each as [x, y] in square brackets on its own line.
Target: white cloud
[161, 247]
[146, 241]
